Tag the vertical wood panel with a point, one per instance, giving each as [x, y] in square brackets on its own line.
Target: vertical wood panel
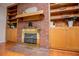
[57, 38]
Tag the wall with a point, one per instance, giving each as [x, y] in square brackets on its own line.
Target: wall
[2, 23]
[43, 25]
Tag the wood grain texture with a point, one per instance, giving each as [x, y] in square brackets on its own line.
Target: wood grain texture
[57, 38]
[29, 14]
[64, 38]
[12, 35]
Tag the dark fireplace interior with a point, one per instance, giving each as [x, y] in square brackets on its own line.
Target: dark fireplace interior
[30, 38]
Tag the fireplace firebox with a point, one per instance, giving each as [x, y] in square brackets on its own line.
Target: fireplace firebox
[30, 38]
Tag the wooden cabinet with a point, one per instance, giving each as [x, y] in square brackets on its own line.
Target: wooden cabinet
[12, 35]
[64, 38]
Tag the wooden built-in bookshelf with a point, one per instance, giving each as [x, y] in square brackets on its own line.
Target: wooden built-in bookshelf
[61, 35]
[11, 12]
[12, 22]
[64, 11]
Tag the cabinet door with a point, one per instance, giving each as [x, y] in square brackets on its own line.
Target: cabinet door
[12, 35]
[70, 37]
[73, 39]
[8, 34]
[57, 38]
[76, 41]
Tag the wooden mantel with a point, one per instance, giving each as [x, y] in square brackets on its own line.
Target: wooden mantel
[29, 14]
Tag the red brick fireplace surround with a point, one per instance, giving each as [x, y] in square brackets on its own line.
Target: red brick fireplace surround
[43, 24]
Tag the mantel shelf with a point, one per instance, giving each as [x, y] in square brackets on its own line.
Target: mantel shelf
[29, 14]
[63, 16]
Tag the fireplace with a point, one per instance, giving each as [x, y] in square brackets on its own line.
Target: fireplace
[30, 35]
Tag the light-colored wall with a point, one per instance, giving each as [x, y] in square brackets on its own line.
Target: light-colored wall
[3, 14]
[2, 24]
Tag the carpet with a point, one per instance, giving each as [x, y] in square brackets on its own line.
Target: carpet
[32, 50]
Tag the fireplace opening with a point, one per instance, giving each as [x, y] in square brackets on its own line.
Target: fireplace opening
[30, 38]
